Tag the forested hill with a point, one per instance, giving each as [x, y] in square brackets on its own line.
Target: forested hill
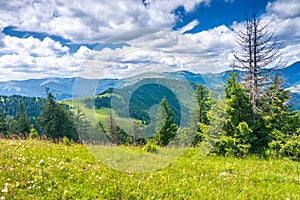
[32, 105]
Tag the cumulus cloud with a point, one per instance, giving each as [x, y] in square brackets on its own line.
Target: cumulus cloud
[155, 52]
[85, 22]
[147, 49]
[284, 8]
[25, 58]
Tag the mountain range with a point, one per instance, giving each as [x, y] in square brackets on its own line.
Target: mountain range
[63, 87]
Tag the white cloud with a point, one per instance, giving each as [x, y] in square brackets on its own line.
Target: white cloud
[189, 26]
[85, 22]
[25, 58]
[149, 49]
[154, 52]
[284, 8]
[46, 47]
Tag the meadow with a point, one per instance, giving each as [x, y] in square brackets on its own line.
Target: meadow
[34, 169]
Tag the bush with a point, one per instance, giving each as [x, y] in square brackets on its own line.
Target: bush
[227, 145]
[150, 147]
[66, 141]
[33, 133]
[291, 149]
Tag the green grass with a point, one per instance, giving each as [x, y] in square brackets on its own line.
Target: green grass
[71, 172]
[99, 114]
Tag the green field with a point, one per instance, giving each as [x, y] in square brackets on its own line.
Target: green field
[71, 172]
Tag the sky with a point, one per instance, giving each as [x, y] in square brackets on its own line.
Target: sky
[123, 38]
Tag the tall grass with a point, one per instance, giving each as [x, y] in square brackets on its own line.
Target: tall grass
[33, 169]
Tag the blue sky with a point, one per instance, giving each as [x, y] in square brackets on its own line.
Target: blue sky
[113, 38]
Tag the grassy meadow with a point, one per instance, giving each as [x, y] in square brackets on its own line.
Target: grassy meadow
[34, 169]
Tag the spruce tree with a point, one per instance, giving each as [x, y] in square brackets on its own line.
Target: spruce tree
[279, 117]
[3, 125]
[55, 121]
[115, 134]
[23, 125]
[200, 116]
[166, 128]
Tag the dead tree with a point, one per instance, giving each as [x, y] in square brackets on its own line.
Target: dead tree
[259, 55]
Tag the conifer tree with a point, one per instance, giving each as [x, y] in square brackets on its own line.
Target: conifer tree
[115, 133]
[23, 124]
[166, 128]
[55, 121]
[3, 125]
[200, 116]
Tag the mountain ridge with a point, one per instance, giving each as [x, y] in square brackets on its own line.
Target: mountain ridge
[63, 87]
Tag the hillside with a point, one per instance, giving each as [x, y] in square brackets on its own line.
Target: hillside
[69, 172]
[63, 87]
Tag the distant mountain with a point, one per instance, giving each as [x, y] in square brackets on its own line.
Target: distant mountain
[63, 87]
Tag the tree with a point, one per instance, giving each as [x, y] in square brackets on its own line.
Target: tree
[200, 116]
[83, 126]
[279, 118]
[166, 128]
[55, 121]
[11, 124]
[237, 135]
[115, 134]
[259, 54]
[23, 124]
[3, 125]
[238, 107]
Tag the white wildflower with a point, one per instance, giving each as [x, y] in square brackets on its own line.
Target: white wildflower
[41, 162]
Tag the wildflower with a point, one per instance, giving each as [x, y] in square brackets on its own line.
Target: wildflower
[49, 189]
[2, 198]
[223, 174]
[41, 162]
[4, 190]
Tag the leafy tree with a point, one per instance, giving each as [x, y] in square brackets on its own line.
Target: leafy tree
[23, 124]
[259, 53]
[166, 128]
[55, 121]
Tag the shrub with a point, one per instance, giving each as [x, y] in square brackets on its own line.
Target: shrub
[66, 141]
[227, 145]
[33, 133]
[150, 147]
[291, 149]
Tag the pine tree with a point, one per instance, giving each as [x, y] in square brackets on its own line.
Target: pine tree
[55, 121]
[200, 116]
[3, 125]
[237, 135]
[115, 133]
[166, 128]
[238, 107]
[278, 114]
[23, 125]
[83, 126]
